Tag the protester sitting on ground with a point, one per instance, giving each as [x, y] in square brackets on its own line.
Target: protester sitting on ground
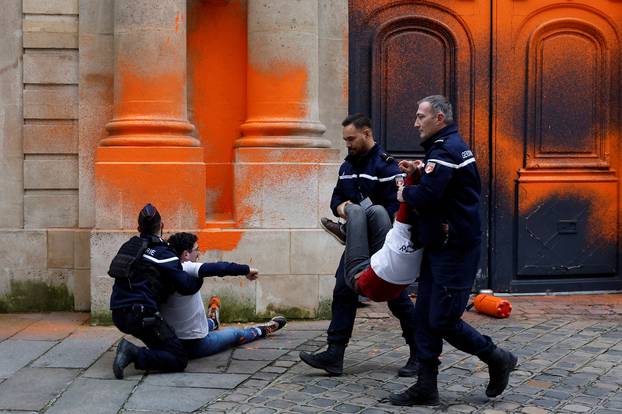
[381, 261]
[186, 314]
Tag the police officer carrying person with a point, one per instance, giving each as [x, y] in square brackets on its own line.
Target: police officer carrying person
[146, 271]
[447, 200]
[366, 178]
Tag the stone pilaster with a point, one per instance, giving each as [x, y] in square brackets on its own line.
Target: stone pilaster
[282, 75]
[149, 155]
[150, 105]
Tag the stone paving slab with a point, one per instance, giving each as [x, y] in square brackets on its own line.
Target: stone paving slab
[17, 353]
[167, 398]
[53, 327]
[33, 388]
[570, 362]
[102, 369]
[81, 348]
[197, 380]
[10, 324]
[92, 396]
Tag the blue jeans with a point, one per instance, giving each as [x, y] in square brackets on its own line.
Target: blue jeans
[218, 341]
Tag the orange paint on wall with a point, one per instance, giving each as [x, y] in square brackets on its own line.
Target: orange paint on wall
[139, 99]
[217, 55]
[277, 92]
[219, 240]
[601, 198]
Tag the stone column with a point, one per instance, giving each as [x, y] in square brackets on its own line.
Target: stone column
[149, 155]
[280, 156]
[282, 75]
[150, 75]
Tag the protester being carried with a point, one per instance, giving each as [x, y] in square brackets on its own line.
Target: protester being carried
[381, 261]
[186, 314]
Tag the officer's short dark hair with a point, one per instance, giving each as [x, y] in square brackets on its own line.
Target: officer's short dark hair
[149, 220]
[359, 121]
[182, 241]
[439, 103]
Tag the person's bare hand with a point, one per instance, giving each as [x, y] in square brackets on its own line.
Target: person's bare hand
[407, 166]
[341, 209]
[400, 195]
[253, 274]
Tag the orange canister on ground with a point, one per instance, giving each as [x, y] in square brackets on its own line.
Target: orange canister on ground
[492, 305]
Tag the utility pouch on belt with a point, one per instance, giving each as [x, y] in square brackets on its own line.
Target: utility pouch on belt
[132, 250]
[161, 328]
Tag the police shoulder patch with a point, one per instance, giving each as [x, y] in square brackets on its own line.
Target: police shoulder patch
[429, 167]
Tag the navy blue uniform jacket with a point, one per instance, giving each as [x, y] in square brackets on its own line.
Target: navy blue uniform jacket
[448, 193]
[138, 290]
[368, 175]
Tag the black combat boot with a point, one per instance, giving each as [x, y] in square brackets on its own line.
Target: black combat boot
[127, 353]
[500, 364]
[330, 360]
[412, 366]
[424, 392]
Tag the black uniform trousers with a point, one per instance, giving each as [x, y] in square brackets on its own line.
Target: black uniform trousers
[164, 351]
[445, 282]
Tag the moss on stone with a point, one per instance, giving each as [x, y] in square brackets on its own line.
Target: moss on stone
[36, 296]
[324, 310]
[234, 309]
[292, 312]
[101, 318]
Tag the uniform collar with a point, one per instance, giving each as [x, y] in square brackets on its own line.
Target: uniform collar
[358, 158]
[152, 238]
[440, 134]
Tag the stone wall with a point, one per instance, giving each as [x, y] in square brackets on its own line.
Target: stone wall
[56, 97]
[47, 256]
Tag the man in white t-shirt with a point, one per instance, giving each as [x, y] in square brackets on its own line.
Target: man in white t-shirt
[186, 314]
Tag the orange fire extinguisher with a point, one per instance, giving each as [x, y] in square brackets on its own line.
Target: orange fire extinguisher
[492, 305]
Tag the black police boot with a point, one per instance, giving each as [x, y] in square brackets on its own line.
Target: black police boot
[425, 390]
[412, 366]
[127, 353]
[500, 364]
[330, 360]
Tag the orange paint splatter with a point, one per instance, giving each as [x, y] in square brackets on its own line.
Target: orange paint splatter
[177, 23]
[280, 91]
[219, 239]
[125, 177]
[139, 99]
[217, 54]
[601, 197]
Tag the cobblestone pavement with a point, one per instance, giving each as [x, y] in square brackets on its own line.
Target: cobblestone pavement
[569, 348]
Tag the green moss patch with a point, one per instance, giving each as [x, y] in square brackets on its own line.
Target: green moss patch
[101, 318]
[36, 296]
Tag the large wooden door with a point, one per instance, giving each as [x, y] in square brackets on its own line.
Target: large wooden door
[402, 51]
[535, 86]
[555, 141]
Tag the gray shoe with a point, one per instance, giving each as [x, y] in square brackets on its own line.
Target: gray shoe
[333, 228]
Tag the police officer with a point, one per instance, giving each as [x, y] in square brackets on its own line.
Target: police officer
[366, 178]
[446, 200]
[146, 271]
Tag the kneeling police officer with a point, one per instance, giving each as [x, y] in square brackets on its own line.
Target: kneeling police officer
[146, 271]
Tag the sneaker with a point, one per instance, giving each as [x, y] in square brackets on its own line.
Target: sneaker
[334, 228]
[274, 325]
[213, 311]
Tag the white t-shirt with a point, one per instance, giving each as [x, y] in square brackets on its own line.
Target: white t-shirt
[186, 313]
[397, 261]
